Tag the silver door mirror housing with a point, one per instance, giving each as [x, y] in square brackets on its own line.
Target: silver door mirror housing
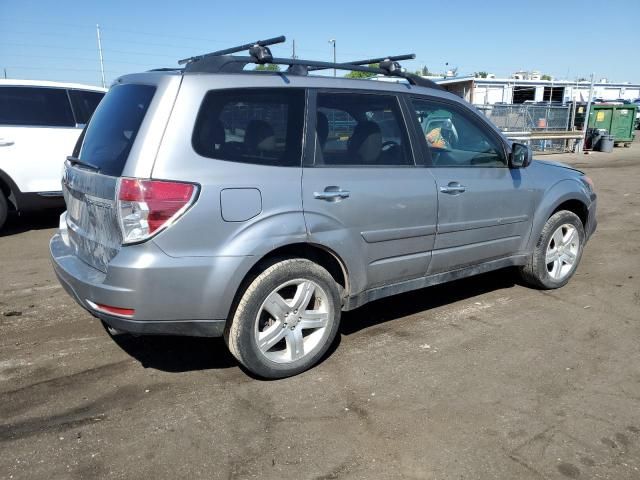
[520, 156]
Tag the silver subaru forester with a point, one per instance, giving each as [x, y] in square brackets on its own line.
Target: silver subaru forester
[213, 200]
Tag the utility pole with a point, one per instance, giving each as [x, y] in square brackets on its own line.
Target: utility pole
[104, 84]
[333, 41]
[5, 73]
[586, 115]
[293, 53]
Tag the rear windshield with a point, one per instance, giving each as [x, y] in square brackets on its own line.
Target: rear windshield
[113, 127]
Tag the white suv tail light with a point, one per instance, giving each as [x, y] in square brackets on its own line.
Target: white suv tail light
[146, 207]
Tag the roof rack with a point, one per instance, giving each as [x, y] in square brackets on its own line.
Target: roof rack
[256, 47]
[371, 61]
[222, 61]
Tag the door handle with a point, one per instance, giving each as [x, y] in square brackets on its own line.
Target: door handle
[6, 143]
[453, 188]
[332, 195]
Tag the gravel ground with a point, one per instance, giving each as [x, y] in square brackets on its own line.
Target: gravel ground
[481, 378]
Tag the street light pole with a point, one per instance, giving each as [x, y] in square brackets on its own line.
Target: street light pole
[333, 42]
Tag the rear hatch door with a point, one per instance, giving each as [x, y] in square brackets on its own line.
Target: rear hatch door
[121, 139]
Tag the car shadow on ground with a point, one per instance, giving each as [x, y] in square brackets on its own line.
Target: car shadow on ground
[182, 354]
[410, 303]
[176, 354]
[27, 222]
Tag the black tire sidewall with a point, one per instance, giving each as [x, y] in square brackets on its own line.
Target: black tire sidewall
[540, 266]
[4, 210]
[260, 288]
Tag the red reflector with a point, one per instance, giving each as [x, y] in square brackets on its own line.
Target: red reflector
[126, 312]
[163, 199]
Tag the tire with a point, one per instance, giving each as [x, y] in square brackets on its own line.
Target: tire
[267, 333]
[4, 210]
[565, 229]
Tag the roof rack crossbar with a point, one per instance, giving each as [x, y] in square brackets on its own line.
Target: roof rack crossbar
[370, 61]
[239, 48]
[217, 62]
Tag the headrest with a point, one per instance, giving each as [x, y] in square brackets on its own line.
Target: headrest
[259, 137]
[365, 144]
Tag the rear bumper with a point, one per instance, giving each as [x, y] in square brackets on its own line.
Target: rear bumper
[170, 296]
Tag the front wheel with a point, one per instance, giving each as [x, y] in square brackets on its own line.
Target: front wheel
[557, 252]
[286, 319]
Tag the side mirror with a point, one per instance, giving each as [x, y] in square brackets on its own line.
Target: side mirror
[520, 156]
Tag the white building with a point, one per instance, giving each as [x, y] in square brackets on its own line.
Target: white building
[516, 90]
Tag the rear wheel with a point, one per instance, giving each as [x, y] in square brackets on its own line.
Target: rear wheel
[557, 252]
[4, 209]
[286, 319]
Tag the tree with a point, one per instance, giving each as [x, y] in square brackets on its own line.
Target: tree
[354, 74]
[267, 67]
[481, 74]
[424, 71]
[546, 77]
[581, 79]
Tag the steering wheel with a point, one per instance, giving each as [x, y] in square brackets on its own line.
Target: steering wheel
[450, 135]
[388, 145]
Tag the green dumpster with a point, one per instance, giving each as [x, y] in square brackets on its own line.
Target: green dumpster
[618, 120]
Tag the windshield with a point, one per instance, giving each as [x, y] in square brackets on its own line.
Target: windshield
[113, 127]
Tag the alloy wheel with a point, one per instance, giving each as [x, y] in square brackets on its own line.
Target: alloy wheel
[292, 321]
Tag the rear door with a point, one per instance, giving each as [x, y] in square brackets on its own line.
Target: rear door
[37, 132]
[363, 195]
[484, 207]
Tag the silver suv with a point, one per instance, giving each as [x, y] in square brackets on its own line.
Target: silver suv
[216, 201]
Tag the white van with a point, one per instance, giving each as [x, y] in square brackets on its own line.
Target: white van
[39, 125]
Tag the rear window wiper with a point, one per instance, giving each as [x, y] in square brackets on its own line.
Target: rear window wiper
[76, 161]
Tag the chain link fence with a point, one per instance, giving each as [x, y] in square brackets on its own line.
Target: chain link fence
[526, 118]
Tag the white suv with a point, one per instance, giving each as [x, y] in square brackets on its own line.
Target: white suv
[39, 125]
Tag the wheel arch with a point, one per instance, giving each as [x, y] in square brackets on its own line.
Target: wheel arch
[568, 195]
[9, 189]
[316, 253]
[575, 206]
[319, 254]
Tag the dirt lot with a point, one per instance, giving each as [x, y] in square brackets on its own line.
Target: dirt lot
[481, 378]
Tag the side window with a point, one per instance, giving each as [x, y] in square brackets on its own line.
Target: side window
[84, 103]
[35, 106]
[454, 139]
[360, 130]
[262, 126]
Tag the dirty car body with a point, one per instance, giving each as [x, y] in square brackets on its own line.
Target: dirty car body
[246, 174]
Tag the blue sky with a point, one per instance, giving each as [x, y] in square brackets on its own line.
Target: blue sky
[56, 40]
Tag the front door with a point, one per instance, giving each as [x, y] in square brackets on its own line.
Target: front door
[363, 195]
[484, 207]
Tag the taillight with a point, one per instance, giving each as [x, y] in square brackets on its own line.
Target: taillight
[147, 206]
[119, 311]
